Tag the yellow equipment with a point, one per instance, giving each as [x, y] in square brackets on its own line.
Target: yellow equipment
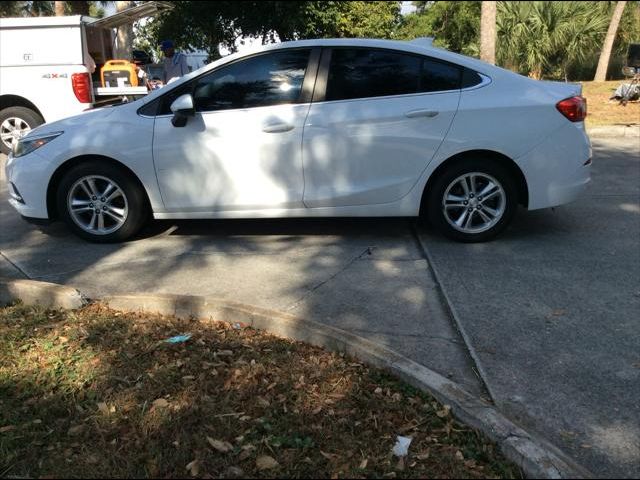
[119, 73]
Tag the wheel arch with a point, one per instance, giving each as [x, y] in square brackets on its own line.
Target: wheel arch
[8, 101]
[59, 173]
[514, 170]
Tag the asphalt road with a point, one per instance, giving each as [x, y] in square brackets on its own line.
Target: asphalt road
[550, 310]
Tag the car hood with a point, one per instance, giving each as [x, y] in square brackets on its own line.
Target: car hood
[85, 119]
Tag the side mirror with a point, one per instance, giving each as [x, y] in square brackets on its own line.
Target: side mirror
[182, 108]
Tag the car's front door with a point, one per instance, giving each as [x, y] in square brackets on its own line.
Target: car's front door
[376, 125]
[242, 149]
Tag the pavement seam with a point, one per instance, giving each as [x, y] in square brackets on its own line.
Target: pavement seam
[15, 266]
[479, 370]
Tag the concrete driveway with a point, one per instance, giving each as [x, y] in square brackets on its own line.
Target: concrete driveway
[549, 311]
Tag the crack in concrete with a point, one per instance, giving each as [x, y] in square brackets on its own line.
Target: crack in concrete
[367, 251]
[15, 266]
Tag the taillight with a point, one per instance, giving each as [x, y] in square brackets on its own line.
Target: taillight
[574, 108]
[81, 83]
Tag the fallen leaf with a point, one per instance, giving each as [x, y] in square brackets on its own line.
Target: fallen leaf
[193, 468]
[459, 456]
[263, 402]
[8, 428]
[422, 456]
[104, 409]
[328, 456]
[63, 339]
[220, 446]
[234, 472]
[74, 431]
[364, 464]
[266, 462]
[444, 412]
[160, 403]
[401, 464]
[378, 391]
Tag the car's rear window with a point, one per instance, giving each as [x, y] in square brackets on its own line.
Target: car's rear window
[364, 73]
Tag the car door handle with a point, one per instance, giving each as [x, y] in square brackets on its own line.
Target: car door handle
[421, 113]
[278, 128]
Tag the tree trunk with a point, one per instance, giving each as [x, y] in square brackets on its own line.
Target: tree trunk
[488, 32]
[605, 55]
[59, 8]
[124, 38]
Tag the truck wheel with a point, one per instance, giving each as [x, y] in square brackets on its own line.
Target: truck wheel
[16, 122]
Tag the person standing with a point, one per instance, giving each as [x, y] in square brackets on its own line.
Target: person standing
[175, 63]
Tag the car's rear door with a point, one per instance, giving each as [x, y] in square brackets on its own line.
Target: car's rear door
[377, 119]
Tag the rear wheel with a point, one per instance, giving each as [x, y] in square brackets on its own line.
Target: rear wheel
[16, 122]
[473, 200]
[101, 203]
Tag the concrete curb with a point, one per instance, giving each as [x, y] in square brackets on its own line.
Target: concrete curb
[47, 295]
[536, 457]
[629, 131]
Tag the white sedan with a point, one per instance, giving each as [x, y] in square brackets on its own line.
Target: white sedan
[318, 128]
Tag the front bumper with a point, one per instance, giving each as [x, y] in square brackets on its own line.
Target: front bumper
[27, 181]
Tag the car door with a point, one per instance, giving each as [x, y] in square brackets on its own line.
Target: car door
[377, 119]
[242, 149]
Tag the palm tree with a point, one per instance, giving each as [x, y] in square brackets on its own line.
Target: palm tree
[605, 55]
[488, 32]
[535, 35]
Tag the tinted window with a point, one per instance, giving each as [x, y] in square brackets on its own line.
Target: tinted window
[270, 79]
[438, 76]
[470, 78]
[361, 73]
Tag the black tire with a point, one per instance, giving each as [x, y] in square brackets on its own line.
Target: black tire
[138, 209]
[31, 118]
[435, 199]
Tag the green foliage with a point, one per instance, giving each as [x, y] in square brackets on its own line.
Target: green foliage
[547, 38]
[206, 25]
[348, 19]
[455, 25]
[45, 9]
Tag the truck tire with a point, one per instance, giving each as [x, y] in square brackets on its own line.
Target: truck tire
[14, 121]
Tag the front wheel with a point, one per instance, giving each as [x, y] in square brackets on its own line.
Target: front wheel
[101, 203]
[473, 201]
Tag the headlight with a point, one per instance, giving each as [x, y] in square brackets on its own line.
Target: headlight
[29, 144]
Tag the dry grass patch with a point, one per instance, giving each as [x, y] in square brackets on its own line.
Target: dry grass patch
[96, 393]
[602, 111]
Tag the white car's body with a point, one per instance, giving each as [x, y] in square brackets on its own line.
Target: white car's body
[357, 157]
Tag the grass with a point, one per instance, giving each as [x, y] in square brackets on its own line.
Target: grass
[96, 394]
[602, 111]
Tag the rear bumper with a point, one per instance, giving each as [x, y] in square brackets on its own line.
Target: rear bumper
[558, 170]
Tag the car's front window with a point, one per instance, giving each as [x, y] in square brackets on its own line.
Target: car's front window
[264, 80]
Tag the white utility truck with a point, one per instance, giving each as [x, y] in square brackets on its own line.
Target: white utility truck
[46, 63]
